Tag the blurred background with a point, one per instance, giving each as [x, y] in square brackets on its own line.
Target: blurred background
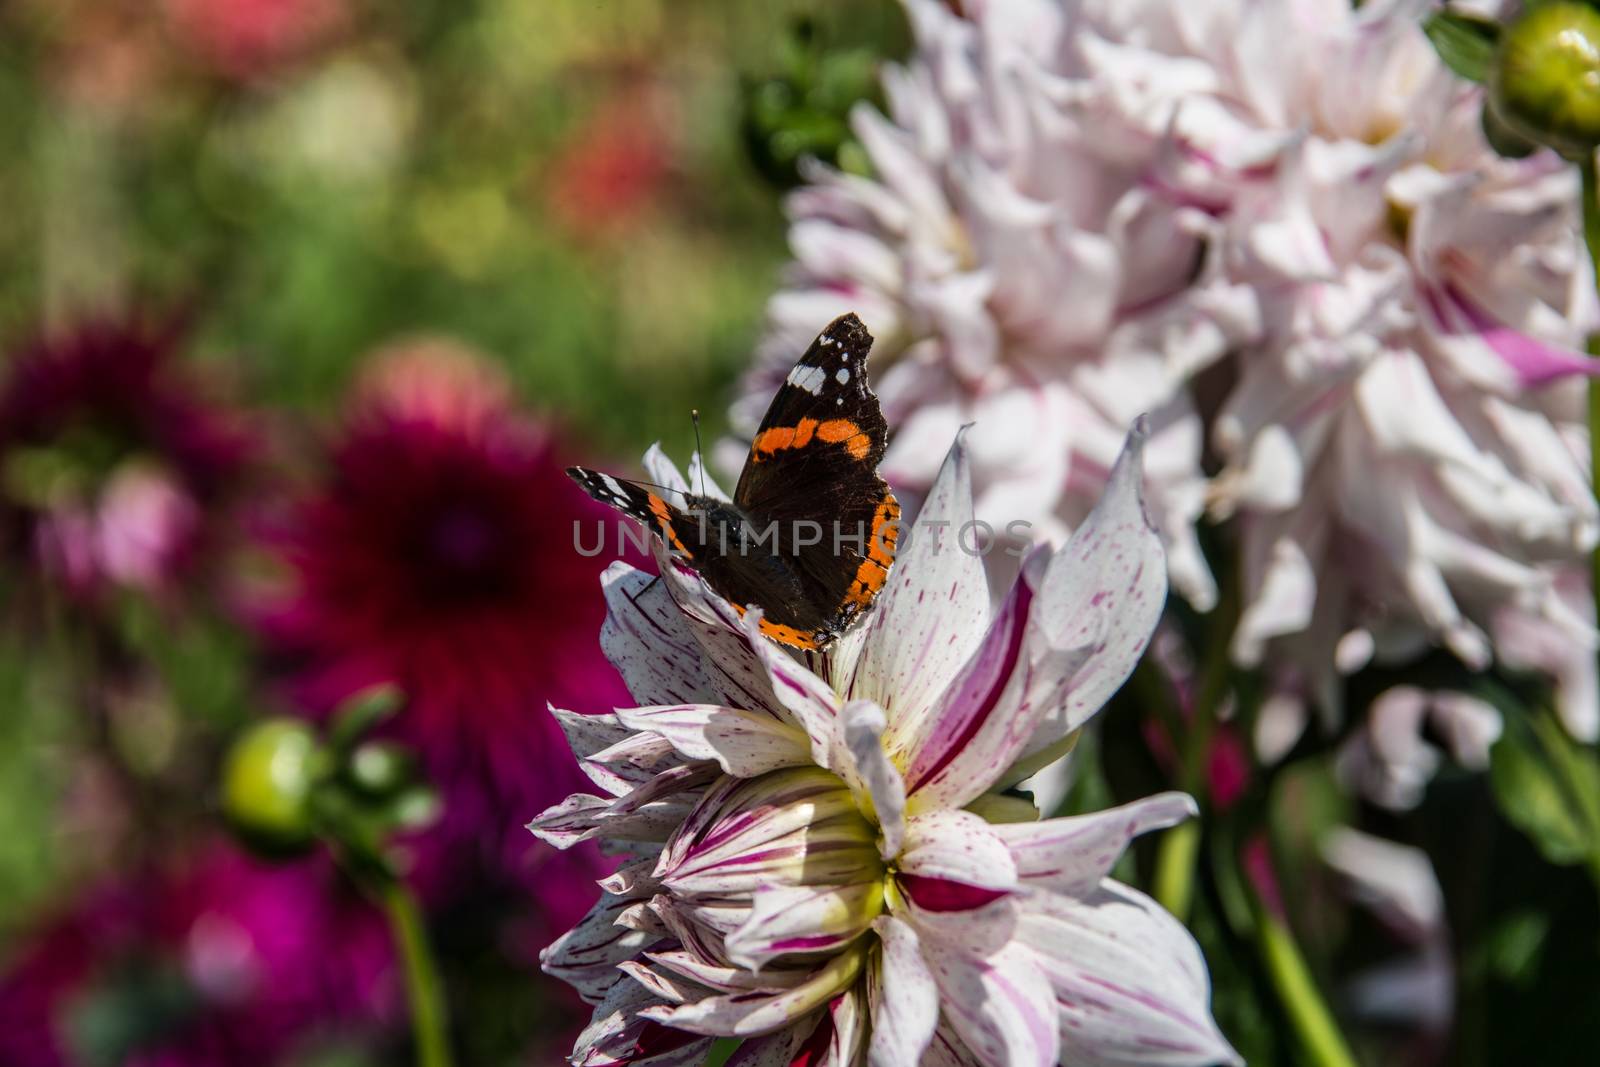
[302, 305]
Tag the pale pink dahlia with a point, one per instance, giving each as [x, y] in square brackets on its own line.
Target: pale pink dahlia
[1276, 225]
[820, 858]
[1017, 271]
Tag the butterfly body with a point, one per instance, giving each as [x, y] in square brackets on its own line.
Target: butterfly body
[810, 533]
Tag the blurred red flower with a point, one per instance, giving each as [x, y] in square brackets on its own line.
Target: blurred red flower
[613, 169]
[438, 555]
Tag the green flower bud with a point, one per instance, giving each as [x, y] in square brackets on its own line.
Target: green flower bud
[380, 768]
[267, 782]
[1545, 82]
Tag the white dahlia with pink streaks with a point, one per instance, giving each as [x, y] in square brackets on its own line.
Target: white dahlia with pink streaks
[822, 862]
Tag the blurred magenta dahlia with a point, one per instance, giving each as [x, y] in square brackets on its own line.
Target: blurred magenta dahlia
[212, 961]
[438, 555]
[114, 463]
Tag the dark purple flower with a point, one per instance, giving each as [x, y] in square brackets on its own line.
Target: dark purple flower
[114, 464]
[438, 555]
[217, 960]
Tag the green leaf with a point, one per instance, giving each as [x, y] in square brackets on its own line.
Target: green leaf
[1465, 43]
[1548, 786]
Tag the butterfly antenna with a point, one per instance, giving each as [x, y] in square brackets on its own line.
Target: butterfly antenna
[699, 452]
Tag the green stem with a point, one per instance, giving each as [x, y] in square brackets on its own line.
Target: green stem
[428, 1020]
[1175, 865]
[1180, 847]
[1313, 1023]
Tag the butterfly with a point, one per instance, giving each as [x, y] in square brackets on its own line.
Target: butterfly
[809, 536]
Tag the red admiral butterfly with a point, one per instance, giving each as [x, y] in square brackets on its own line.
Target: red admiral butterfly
[813, 466]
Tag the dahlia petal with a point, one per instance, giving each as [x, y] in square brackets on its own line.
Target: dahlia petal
[774, 1050]
[648, 641]
[794, 827]
[617, 1036]
[873, 774]
[1129, 980]
[1103, 592]
[809, 701]
[744, 743]
[804, 919]
[1532, 362]
[990, 712]
[903, 997]
[712, 975]
[947, 1050]
[957, 846]
[630, 763]
[753, 1014]
[661, 983]
[650, 812]
[930, 617]
[1071, 855]
[847, 1022]
[1000, 1005]
[967, 924]
[586, 956]
[737, 675]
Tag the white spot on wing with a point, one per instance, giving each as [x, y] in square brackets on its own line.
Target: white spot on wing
[842, 375]
[613, 485]
[807, 378]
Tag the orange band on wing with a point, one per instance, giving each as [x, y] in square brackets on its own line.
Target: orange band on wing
[832, 432]
[837, 431]
[663, 514]
[786, 635]
[874, 569]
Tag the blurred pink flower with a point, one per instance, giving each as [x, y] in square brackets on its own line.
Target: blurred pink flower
[247, 38]
[438, 554]
[213, 961]
[114, 466]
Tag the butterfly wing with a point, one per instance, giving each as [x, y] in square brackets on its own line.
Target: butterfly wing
[814, 460]
[709, 536]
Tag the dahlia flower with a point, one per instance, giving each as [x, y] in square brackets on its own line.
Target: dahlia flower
[114, 467]
[1405, 445]
[1080, 206]
[211, 961]
[821, 859]
[1017, 273]
[437, 556]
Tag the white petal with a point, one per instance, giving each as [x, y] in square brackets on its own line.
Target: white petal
[958, 846]
[743, 1015]
[1104, 591]
[586, 956]
[1000, 1005]
[647, 640]
[808, 700]
[873, 773]
[744, 743]
[823, 918]
[903, 996]
[1129, 980]
[933, 611]
[1071, 855]
[985, 719]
